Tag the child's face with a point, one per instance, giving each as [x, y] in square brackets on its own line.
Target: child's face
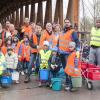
[71, 48]
[10, 52]
[46, 47]
[25, 39]
[54, 53]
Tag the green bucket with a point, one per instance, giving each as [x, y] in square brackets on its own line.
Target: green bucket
[76, 82]
[56, 84]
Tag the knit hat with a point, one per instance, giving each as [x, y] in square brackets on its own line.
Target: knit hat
[46, 43]
[72, 44]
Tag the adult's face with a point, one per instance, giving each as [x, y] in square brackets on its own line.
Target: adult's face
[38, 29]
[26, 21]
[7, 24]
[67, 23]
[12, 28]
[33, 25]
[57, 28]
[49, 27]
[98, 23]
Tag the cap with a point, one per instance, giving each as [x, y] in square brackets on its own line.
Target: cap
[46, 43]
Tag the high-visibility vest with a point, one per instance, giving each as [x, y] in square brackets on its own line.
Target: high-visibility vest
[21, 52]
[64, 40]
[27, 30]
[95, 37]
[35, 42]
[26, 53]
[55, 39]
[70, 67]
[44, 58]
[45, 37]
[4, 50]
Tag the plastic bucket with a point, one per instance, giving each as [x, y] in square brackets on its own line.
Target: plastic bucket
[56, 84]
[6, 81]
[76, 82]
[44, 74]
[15, 76]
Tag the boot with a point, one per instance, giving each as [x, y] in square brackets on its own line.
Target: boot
[27, 79]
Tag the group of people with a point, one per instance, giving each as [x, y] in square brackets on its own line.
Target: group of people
[53, 48]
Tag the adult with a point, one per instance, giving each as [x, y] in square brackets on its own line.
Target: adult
[26, 28]
[6, 33]
[68, 35]
[13, 30]
[47, 34]
[94, 56]
[34, 43]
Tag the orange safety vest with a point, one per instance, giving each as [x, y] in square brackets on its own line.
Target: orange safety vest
[16, 49]
[21, 52]
[4, 50]
[70, 67]
[55, 40]
[26, 53]
[64, 40]
[35, 41]
[27, 30]
[46, 37]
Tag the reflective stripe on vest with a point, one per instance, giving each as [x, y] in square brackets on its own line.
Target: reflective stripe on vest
[64, 40]
[95, 37]
[70, 67]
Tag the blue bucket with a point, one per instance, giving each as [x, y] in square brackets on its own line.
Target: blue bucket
[56, 84]
[44, 74]
[6, 81]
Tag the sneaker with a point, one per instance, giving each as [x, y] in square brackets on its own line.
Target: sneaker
[67, 88]
[17, 82]
[22, 73]
[40, 84]
[27, 79]
[73, 89]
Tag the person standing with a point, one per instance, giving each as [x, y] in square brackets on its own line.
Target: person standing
[94, 55]
[67, 35]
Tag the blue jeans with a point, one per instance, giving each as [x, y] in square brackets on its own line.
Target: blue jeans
[20, 66]
[32, 59]
[64, 58]
[25, 67]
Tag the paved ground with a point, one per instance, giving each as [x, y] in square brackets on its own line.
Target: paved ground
[31, 91]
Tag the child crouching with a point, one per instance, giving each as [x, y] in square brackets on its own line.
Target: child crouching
[54, 63]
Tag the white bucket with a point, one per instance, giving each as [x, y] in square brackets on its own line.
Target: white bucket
[15, 76]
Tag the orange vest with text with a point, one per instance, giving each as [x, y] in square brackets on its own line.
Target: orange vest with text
[70, 67]
[45, 37]
[26, 53]
[64, 40]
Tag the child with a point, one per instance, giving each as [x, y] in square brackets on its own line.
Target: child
[11, 61]
[54, 62]
[26, 57]
[73, 67]
[45, 54]
[2, 63]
